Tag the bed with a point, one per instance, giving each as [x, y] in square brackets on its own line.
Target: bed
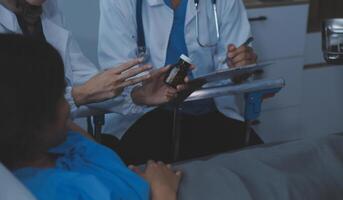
[310, 169]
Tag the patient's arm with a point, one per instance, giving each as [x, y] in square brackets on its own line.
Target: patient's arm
[164, 182]
[76, 128]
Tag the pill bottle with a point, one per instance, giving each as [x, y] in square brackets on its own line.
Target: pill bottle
[178, 71]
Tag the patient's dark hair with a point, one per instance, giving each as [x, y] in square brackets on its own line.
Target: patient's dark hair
[31, 85]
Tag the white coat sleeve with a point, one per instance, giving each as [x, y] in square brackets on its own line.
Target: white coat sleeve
[79, 69]
[53, 13]
[117, 32]
[82, 68]
[117, 42]
[234, 28]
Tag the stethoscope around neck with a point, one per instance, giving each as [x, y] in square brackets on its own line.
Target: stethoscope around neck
[215, 13]
[142, 50]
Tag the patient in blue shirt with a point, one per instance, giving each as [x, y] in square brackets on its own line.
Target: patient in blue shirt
[38, 145]
[84, 170]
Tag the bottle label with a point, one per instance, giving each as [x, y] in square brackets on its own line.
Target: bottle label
[172, 75]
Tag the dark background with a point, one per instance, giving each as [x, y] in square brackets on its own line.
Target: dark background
[323, 9]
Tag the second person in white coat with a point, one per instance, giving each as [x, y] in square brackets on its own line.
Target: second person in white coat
[87, 85]
[170, 29]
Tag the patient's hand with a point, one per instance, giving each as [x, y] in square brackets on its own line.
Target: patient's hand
[163, 180]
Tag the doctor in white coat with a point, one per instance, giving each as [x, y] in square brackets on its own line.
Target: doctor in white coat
[170, 29]
[87, 85]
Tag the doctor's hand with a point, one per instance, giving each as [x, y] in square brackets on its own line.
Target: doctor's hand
[109, 83]
[154, 91]
[237, 57]
[164, 181]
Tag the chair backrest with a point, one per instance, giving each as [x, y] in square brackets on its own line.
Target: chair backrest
[11, 188]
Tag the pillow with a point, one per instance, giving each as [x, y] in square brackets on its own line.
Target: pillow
[11, 188]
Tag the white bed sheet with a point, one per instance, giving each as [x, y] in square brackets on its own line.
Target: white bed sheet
[309, 169]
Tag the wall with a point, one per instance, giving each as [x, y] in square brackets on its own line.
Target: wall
[322, 110]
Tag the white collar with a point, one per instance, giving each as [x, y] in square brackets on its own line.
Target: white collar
[8, 19]
[191, 11]
[155, 2]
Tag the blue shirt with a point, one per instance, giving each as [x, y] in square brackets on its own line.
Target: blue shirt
[84, 171]
[177, 42]
[176, 47]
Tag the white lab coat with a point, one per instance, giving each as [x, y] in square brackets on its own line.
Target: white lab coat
[78, 68]
[117, 42]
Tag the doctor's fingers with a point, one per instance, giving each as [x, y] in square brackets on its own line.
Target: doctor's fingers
[242, 63]
[241, 78]
[182, 87]
[170, 91]
[160, 72]
[244, 58]
[134, 81]
[171, 95]
[125, 66]
[231, 47]
[133, 72]
[237, 51]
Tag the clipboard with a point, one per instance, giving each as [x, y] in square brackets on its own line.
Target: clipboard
[230, 73]
[219, 75]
